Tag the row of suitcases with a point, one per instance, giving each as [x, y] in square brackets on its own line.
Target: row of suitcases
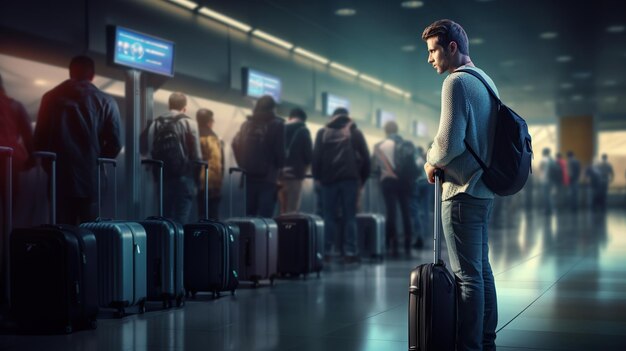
[136, 261]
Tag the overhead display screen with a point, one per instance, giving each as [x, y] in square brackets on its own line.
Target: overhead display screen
[256, 84]
[143, 52]
[383, 117]
[330, 102]
[419, 129]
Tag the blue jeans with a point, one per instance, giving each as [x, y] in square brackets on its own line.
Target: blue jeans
[178, 197]
[344, 194]
[465, 221]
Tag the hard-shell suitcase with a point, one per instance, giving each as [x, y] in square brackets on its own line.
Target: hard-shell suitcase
[211, 254]
[432, 297]
[371, 235]
[54, 274]
[258, 244]
[300, 244]
[122, 248]
[165, 255]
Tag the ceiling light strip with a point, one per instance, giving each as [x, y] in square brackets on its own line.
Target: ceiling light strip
[344, 69]
[185, 3]
[225, 19]
[272, 39]
[371, 80]
[393, 89]
[311, 55]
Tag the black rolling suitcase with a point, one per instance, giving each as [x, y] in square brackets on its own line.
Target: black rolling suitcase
[300, 244]
[165, 252]
[211, 254]
[258, 244]
[432, 297]
[54, 274]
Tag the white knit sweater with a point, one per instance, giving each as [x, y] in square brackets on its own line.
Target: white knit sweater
[468, 112]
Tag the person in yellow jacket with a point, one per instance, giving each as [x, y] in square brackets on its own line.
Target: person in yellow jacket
[213, 152]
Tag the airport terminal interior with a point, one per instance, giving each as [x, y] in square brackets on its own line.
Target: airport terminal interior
[559, 260]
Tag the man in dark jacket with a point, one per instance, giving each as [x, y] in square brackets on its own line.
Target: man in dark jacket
[299, 152]
[341, 163]
[80, 123]
[259, 149]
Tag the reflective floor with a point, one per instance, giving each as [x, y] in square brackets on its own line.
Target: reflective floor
[561, 283]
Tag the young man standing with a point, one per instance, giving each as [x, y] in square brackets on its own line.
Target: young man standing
[468, 113]
[213, 152]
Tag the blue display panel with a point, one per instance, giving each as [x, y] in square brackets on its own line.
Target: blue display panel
[256, 84]
[330, 102]
[383, 117]
[143, 52]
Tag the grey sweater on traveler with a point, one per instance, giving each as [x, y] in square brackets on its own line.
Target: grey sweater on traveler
[468, 113]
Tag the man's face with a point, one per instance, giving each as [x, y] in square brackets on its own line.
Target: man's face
[437, 55]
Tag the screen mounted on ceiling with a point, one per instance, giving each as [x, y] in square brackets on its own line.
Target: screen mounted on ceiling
[382, 117]
[331, 101]
[141, 51]
[256, 84]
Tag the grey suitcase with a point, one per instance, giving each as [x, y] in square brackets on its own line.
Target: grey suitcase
[165, 252]
[371, 235]
[258, 244]
[122, 248]
[300, 244]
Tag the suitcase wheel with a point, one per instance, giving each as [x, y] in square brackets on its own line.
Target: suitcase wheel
[142, 307]
[93, 324]
[232, 292]
[68, 329]
[166, 304]
[180, 301]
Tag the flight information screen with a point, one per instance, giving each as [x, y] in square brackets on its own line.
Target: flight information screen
[331, 101]
[257, 84]
[382, 117]
[143, 52]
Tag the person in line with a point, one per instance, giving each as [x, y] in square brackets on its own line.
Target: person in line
[298, 158]
[605, 170]
[573, 169]
[396, 192]
[341, 164]
[173, 138]
[563, 185]
[259, 149]
[468, 113]
[548, 173]
[213, 152]
[80, 123]
[420, 201]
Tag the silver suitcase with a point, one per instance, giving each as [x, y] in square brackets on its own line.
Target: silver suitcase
[122, 249]
[371, 234]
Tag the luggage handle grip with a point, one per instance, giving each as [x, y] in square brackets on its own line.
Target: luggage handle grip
[205, 164]
[160, 164]
[53, 181]
[101, 163]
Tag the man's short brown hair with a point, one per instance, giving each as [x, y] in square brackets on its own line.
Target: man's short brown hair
[391, 127]
[177, 101]
[448, 31]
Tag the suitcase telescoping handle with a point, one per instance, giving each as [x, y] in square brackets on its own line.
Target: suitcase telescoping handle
[53, 181]
[437, 215]
[232, 170]
[205, 165]
[6, 153]
[101, 163]
[159, 164]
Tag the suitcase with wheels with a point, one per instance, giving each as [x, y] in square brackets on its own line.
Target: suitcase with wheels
[371, 235]
[300, 244]
[165, 256]
[258, 244]
[53, 272]
[211, 253]
[122, 251]
[432, 296]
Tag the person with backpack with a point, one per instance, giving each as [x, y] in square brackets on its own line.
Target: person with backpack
[395, 160]
[173, 138]
[341, 165]
[468, 119]
[574, 170]
[213, 152]
[298, 157]
[80, 123]
[259, 149]
[550, 177]
[421, 203]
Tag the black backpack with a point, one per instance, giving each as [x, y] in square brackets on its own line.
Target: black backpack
[512, 149]
[404, 157]
[168, 146]
[251, 148]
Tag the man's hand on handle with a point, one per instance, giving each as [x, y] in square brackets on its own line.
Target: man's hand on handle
[430, 172]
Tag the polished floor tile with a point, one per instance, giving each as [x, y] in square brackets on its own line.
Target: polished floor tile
[561, 283]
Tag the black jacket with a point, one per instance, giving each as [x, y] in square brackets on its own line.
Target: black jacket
[325, 170]
[274, 149]
[80, 123]
[299, 150]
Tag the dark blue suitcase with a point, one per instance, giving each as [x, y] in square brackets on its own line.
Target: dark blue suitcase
[211, 254]
[300, 244]
[53, 269]
[432, 297]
